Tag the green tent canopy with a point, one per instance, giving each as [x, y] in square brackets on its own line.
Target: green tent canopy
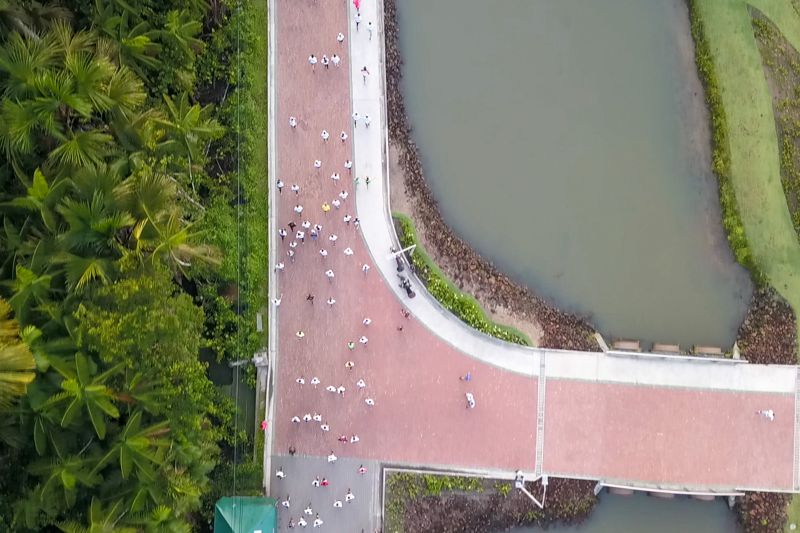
[245, 514]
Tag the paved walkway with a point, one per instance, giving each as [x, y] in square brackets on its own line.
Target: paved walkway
[635, 420]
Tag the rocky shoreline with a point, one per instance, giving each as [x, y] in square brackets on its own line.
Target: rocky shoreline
[471, 272]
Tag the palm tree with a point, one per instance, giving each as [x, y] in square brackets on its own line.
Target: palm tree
[187, 127]
[137, 449]
[182, 29]
[16, 360]
[108, 520]
[83, 389]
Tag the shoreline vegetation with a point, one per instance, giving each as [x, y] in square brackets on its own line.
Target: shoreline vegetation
[478, 505]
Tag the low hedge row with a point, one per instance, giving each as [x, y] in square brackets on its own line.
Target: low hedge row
[461, 304]
[721, 156]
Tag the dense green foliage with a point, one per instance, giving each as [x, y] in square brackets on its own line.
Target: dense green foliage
[131, 148]
[461, 304]
[721, 156]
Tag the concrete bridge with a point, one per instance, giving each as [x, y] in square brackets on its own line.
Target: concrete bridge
[649, 422]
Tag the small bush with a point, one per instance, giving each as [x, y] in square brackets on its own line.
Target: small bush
[461, 304]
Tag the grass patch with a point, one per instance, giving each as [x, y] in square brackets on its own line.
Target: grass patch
[461, 304]
[403, 487]
[728, 57]
[793, 512]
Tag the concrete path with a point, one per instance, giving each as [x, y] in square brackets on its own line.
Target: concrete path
[677, 423]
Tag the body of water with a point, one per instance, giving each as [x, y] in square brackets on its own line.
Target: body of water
[567, 141]
[645, 514]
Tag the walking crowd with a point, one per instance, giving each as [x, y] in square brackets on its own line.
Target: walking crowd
[316, 233]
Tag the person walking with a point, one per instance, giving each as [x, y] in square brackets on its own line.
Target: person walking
[343, 136]
[325, 61]
[317, 164]
[340, 37]
[331, 301]
[310, 298]
[332, 457]
[349, 496]
[300, 334]
[315, 381]
[356, 117]
[298, 209]
[367, 120]
[367, 181]
[369, 29]
[351, 345]
[354, 439]
[362, 470]
[341, 390]
[325, 135]
[347, 219]
[335, 59]
[326, 207]
[308, 510]
[283, 233]
[333, 237]
[335, 177]
[348, 251]
[302, 522]
[470, 401]
[343, 195]
[285, 502]
[280, 186]
[364, 74]
[365, 268]
[292, 122]
[307, 417]
[323, 252]
[318, 521]
[357, 19]
[466, 377]
[329, 273]
[295, 188]
[279, 266]
[336, 203]
[314, 483]
[337, 504]
[370, 402]
[300, 381]
[769, 414]
[301, 235]
[279, 473]
[349, 365]
[348, 165]
[363, 340]
[367, 321]
[312, 60]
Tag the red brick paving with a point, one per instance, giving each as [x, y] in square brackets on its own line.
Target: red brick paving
[616, 431]
[420, 415]
[672, 436]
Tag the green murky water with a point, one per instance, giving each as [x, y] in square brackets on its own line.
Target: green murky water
[566, 140]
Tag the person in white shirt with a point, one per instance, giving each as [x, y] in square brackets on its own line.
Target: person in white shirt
[335, 176]
[358, 19]
[279, 474]
[280, 186]
[365, 268]
[330, 274]
[349, 496]
[355, 117]
[367, 120]
[295, 188]
[361, 384]
[302, 522]
[317, 163]
[369, 29]
[318, 521]
[367, 321]
[348, 251]
[335, 59]
[312, 60]
[343, 195]
[325, 61]
[337, 504]
[332, 458]
[292, 122]
[343, 136]
[331, 301]
[298, 209]
[369, 401]
[363, 340]
[340, 37]
[347, 219]
[347, 164]
[325, 135]
[323, 252]
[333, 238]
[336, 203]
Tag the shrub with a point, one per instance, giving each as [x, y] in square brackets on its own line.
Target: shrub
[461, 304]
